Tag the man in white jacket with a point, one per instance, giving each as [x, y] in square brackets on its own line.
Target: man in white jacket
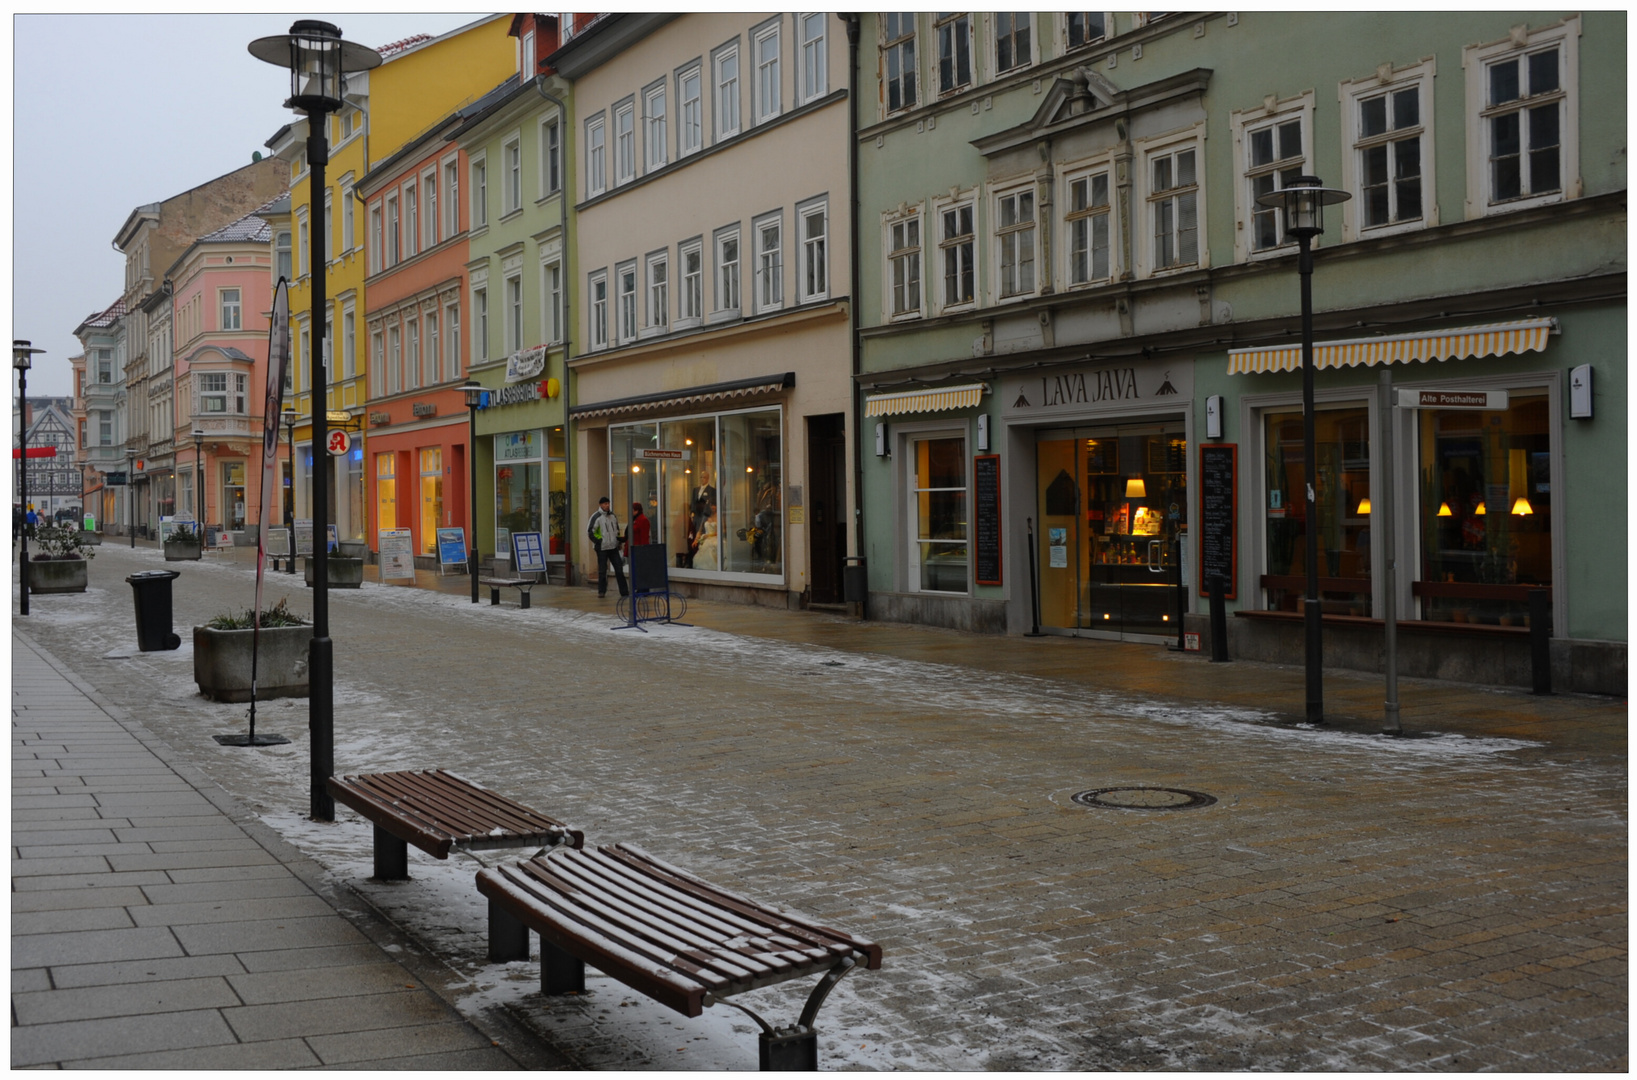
[603, 530]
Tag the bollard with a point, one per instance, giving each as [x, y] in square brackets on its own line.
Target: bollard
[1219, 620]
[1540, 638]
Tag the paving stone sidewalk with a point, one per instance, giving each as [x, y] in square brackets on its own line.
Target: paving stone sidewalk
[152, 930]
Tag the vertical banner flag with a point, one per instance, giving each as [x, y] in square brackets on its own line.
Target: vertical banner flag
[278, 362]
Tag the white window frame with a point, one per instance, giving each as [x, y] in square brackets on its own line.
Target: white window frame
[625, 142]
[1246, 123]
[768, 89]
[230, 310]
[431, 346]
[991, 58]
[769, 265]
[349, 344]
[513, 329]
[452, 366]
[451, 196]
[1001, 240]
[656, 123]
[727, 97]
[656, 293]
[1353, 94]
[909, 228]
[596, 155]
[596, 309]
[890, 48]
[814, 250]
[283, 260]
[1088, 171]
[349, 222]
[909, 435]
[412, 353]
[395, 358]
[690, 131]
[551, 299]
[329, 230]
[210, 389]
[551, 156]
[480, 321]
[511, 157]
[303, 249]
[812, 56]
[1476, 60]
[967, 201]
[431, 214]
[377, 362]
[956, 28]
[477, 166]
[1143, 230]
[627, 284]
[393, 232]
[412, 220]
[1063, 28]
[729, 274]
[377, 238]
[690, 298]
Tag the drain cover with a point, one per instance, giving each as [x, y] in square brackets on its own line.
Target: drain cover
[1144, 798]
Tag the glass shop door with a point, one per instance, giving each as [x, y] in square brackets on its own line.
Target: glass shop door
[1112, 503]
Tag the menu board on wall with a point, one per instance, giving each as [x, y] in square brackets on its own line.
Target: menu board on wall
[1218, 512]
[986, 517]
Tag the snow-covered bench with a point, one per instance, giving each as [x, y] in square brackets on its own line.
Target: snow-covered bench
[661, 931]
[438, 812]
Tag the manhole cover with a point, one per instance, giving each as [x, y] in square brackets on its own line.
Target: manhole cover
[1144, 798]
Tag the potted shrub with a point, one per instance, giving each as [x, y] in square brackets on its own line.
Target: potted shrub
[183, 544]
[222, 654]
[345, 572]
[60, 565]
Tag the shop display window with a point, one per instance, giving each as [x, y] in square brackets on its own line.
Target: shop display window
[431, 498]
[386, 491]
[751, 507]
[517, 485]
[1485, 510]
[692, 509]
[938, 532]
[1342, 509]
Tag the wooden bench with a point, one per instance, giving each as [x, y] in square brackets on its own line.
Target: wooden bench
[439, 812]
[522, 585]
[665, 933]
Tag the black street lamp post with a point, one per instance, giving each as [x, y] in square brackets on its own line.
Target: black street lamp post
[130, 501]
[1303, 200]
[474, 398]
[318, 61]
[22, 358]
[200, 511]
[289, 416]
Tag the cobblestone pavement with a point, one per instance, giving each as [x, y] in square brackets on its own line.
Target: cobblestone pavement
[1350, 901]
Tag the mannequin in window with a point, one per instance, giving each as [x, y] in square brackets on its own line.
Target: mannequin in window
[704, 553]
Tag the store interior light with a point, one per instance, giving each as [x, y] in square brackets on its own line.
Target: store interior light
[636, 468]
[1522, 506]
[1364, 506]
[1481, 511]
[1135, 488]
[1444, 510]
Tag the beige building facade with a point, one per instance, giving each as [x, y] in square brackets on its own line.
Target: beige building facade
[710, 378]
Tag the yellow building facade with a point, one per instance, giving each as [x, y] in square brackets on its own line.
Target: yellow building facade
[420, 81]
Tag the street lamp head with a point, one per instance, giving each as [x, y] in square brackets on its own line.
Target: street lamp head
[1303, 199]
[474, 393]
[318, 60]
[198, 438]
[22, 354]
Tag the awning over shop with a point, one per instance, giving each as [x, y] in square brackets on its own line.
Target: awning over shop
[1494, 339]
[919, 401]
[694, 395]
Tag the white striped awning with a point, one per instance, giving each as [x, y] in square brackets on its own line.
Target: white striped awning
[919, 401]
[1494, 339]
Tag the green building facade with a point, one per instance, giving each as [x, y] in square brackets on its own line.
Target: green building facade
[1073, 313]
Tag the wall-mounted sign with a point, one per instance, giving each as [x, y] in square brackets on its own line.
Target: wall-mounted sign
[1096, 388]
[1452, 399]
[338, 443]
[1218, 514]
[664, 455]
[514, 395]
[424, 408]
[986, 517]
[525, 364]
[380, 418]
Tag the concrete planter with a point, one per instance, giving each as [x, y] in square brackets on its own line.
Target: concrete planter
[181, 551]
[57, 576]
[344, 573]
[221, 662]
[354, 549]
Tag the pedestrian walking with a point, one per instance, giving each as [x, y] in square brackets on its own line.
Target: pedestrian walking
[640, 534]
[603, 530]
[32, 521]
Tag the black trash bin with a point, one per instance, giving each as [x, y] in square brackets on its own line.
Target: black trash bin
[153, 610]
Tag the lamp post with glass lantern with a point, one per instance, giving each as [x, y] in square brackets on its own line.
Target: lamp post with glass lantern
[289, 418]
[318, 61]
[22, 358]
[1303, 200]
[474, 398]
[130, 486]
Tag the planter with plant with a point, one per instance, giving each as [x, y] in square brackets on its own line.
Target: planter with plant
[59, 566]
[342, 572]
[183, 545]
[222, 653]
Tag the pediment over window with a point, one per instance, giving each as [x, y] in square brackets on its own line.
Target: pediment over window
[1084, 96]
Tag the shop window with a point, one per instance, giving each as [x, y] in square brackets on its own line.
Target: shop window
[1342, 509]
[1485, 510]
[752, 494]
[431, 498]
[386, 491]
[518, 506]
[937, 515]
[691, 503]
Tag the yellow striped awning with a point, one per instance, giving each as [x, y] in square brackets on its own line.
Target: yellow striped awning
[918, 401]
[1494, 339]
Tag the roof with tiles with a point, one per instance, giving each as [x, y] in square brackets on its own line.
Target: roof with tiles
[248, 229]
[108, 316]
[403, 44]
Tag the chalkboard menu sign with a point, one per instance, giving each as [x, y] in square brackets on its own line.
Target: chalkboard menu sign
[1218, 512]
[986, 517]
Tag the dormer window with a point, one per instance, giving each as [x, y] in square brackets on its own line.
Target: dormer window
[527, 65]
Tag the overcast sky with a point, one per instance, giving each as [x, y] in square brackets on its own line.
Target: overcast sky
[113, 111]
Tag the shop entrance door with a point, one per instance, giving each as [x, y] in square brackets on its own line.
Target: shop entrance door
[1113, 503]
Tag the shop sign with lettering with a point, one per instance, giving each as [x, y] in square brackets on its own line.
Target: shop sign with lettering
[424, 408]
[517, 446]
[514, 395]
[380, 418]
[1095, 387]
